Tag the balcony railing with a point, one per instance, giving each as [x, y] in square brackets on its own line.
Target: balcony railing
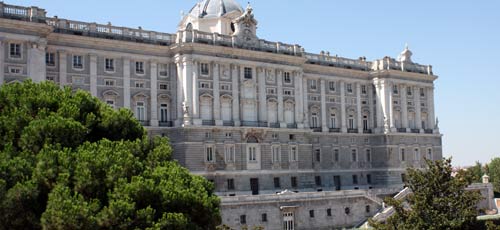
[367, 131]
[429, 131]
[334, 130]
[292, 126]
[401, 130]
[166, 124]
[316, 129]
[228, 123]
[253, 124]
[208, 122]
[340, 62]
[352, 131]
[415, 130]
[32, 14]
[274, 125]
[392, 64]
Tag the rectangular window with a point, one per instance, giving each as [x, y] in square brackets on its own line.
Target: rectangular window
[417, 154]
[286, 78]
[311, 213]
[109, 82]
[139, 84]
[368, 155]
[111, 103]
[252, 153]
[336, 155]
[367, 208]
[354, 155]
[287, 92]
[329, 212]
[15, 70]
[354, 179]
[409, 91]
[230, 184]
[317, 180]
[429, 154]
[205, 85]
[50, 59]
[349, 88]
[276, 153]
[318, 154]
[140, 109]
[248, 73]
[243, 219]
[331, 85]
[294, 182]
[163, 86]
[422, 92]
[110, 64]
[403, 157]
[368, 179]
[77, 62]
[225, 87]
[164, 112]
[15, 50]
[139, 67]
[271, 91]
[229, 153]
[395, 89]
[313, 84]
[264, 217]
[363, 89]
[205, 69]
[209, 153]
[293, 153]
[277, 183]
[163, 70]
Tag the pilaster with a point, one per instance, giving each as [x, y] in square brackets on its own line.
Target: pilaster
[93, 74]
[430, 106]
[187, 87]
[299, 103]
[261, 72]
[372, 106]
[418, 108]
[154, 93]
[2, 61]
[37, 69]
[236, 95]
[180, 93]
[390, 106]
[404, 107]
[279, 80]
[343, 118]
[126, 82]
[358, 108]
[305, 105]
[63, 68]
[196, 94]
[379, 107]
[216, 87]
[322, 86]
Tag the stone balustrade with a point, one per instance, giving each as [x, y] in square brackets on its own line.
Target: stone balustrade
[335, 61]
[33, 14]
[392, 64]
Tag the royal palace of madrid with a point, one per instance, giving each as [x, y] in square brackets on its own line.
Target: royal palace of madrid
[290, 139]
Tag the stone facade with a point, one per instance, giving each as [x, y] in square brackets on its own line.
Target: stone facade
[255, 117]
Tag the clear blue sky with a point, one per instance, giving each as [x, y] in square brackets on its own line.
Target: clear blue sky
[459, 38]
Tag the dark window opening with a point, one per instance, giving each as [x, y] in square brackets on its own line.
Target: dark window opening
[318, 180]
[311, 213]
[294, 182]
[243, 219]
[230, 184]
[277, 183]
[264, 217]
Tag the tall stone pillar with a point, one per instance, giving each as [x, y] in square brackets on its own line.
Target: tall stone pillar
[322, 86]
[2, 61]
[63, 68]
[216, 87]
[236, 95]
[379, 106]
[196, 94]
[390, 106]
[418, 108]
[180, 92]
[404, 107]
[430, 106]
[372, 106]
[343, 114]
[187, 87]
[93, 75]
[261, 78]
[358, 108]
[37, 69]
[279, 81]
[305, 102]
[299, 103]
[126, 83]
[154, 93]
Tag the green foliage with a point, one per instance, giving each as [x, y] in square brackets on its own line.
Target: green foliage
[477, 171]
[494, 173]
[439, 201]
[68, 161]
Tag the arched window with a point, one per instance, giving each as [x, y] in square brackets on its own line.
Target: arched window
[189, 27]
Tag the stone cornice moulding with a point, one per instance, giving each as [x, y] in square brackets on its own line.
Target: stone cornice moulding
[103, 53]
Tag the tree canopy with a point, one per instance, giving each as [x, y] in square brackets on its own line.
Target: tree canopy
[69, 161]
[439, 201]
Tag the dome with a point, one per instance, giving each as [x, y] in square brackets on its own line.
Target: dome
[215, 8]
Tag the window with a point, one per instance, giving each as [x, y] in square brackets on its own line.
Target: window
[229, 153]
[204, 69]
[230, 184]
[205, 85]
[276, 153]
[429, 154]
[163, 70]
[252, 153]
[347, 211]
[403, 157]
[139, 67]
[294, 182]
[15, 50]
[409, 91]
[275, 136]
[209, 153]
[354, 179]
[395, 89]
[288, 221]
[317, 180]
[287, 92]
[111, 103]
[333, 121]
[331, 85]
[264, 217]
[271, 91]
[77, 62]
[139, 84]
[314, 120]
[110, 64]
[15, 70]
[311, 213]
[351, 121]
[140, 111]
[248, 73]
[277, 183]
[313, 84]
[286, 78]
[368, 179]
[336, 155]
[367, 209]
[293, 153]
[403, 178]
[291, 137]
[422, 92]
[243, 219]
[329, 212]
[163, 86]
[225, 87]
[163, 112]
[365, 123]
[229, 135]
[317, 153]
[109, 82]
[363, 89]
[417, 154]
[368, 155]
[50, 59]
[349, 88]
[354, 155]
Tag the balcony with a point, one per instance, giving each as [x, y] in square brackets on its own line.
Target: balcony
[334, 130]
[228, 123]
[415, 130]
[208, 122]
[253, 124]
[166, 124]
[274, 125]
[367, 131]
[352, 131]
[292, 126]
[429, 131]
[316, 129]
[401, 130]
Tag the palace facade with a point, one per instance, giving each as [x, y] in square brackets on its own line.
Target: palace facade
[291, 140]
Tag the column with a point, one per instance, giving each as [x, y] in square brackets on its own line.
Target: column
[93, 74]
[196, 94]
[36, 61]
[154, 93]
[299, 105]
[390, 106]
[358, 108]
[63, 68]
[370, 103]
[322, 86]
[126, 82]
[404, 108]
[216, 86]
[378, 107]
[305, 102]
[343, 125]
[262, 94]
[2, 61]
[236, 95]
[187, 87]
[180, 93]
[418, 109]
[430, 106]
[279, 81]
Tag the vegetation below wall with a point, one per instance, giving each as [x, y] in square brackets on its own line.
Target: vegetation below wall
[68, 161]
